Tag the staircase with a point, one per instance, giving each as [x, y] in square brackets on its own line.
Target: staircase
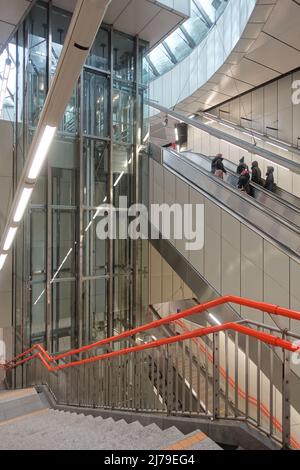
[27, 423]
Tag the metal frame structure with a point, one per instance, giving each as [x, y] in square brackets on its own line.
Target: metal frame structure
[80, 328]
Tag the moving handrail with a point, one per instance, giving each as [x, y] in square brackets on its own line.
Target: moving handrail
[263, 306]
[282, 232]
[268, 199]
[251, 148]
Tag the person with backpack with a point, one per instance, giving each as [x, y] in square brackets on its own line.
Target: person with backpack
[242, 166]
[214, 163]
[256, 174]
[243, 183]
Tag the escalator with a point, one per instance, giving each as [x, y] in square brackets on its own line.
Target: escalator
[282, 203]
[275, 218]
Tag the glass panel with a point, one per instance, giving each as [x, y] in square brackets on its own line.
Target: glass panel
[63, 187]
[37, 64]
[8, 83]
[95, 308]
[95, 104]
[161, 59]
[95, 172]
[178, 44]
[122, 171]
[99, 55]
[94, 249]
[63, 308]
[124, 57]
[38, 312]
[38, 241]
[63, 237]
[123, 113]
[60, 25]
[122, 302]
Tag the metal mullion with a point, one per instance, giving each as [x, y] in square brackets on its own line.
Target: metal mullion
[80, 314]
[110, 243]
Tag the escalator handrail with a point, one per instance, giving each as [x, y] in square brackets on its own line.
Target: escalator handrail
[257, 187]
[277, 218]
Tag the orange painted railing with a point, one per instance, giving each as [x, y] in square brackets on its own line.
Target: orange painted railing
[264, 307]
[37, 351]
[243, 395]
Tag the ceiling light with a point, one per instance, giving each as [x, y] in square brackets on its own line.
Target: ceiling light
[10, 238]
[2, 261]
[41, 152]
[278, 146]
[23, 202]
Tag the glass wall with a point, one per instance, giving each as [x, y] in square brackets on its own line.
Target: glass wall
[180, 43]
[72, 286]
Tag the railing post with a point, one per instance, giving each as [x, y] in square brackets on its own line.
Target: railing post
[170, 388]
[286, 405]
[216, 376]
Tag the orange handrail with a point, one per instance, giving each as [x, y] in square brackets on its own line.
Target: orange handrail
[263, 337]
[252, 400]
[263, 306]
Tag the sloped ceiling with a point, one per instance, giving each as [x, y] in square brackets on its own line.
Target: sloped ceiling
[11, 14]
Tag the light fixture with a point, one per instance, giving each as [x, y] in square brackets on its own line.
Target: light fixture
[10, 238]
[23, 202]
[176, 134]
[41, 152]
[277, 146]
[226, 125]
[2, 261]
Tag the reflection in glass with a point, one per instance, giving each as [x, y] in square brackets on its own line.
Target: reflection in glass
[63, 311]
[124, 57]
[38, 241]
[95, 308]
[37, 62]
[38, 312]
[95, 104]
[94, 249]
[123, 113]
[99, 55]
[63, 186]
[95, 172]
[63, 239]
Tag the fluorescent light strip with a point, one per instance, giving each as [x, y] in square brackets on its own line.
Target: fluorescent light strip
[10, 238]
[2, 261]
[277, 146]
[41, 152]
[23, 202]
[226, 125]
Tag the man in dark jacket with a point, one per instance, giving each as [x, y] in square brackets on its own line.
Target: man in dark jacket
[242, 166]
[256, 174]
[218, 157]
[269, 183]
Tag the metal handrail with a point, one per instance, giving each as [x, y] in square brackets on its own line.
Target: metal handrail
[201, 308]
[125, 367]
